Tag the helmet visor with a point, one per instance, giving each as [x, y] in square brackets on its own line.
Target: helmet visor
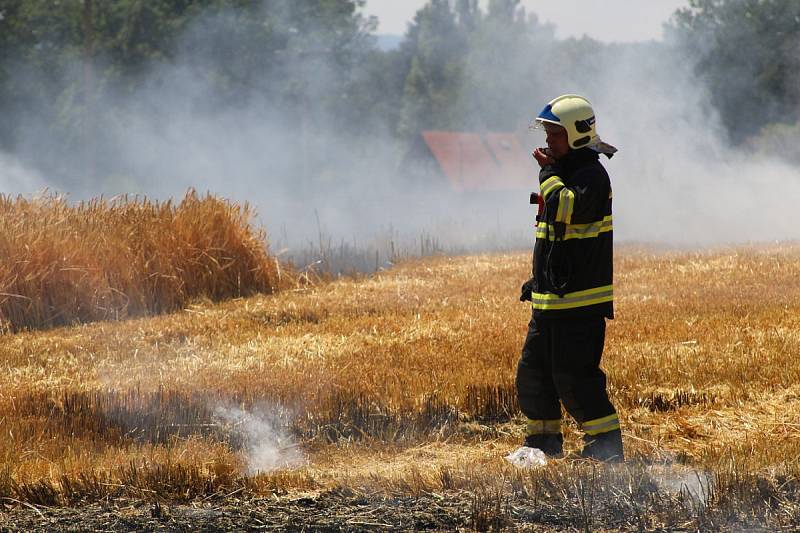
[541, 124]
[536, 125]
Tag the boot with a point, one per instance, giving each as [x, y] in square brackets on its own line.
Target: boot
[605, 447]
[551, 444]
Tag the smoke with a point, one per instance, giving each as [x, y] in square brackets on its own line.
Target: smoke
[17, 177]
[268, 446]
[676, 179]
[672, 478]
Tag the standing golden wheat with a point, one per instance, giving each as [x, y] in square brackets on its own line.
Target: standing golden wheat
[109, 259]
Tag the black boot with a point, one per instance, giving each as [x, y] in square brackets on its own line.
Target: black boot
[551, 444]
[605, 447]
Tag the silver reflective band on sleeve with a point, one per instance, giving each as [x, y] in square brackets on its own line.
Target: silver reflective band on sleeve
[571, 300]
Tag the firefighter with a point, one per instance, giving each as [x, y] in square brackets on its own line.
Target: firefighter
[571, 290]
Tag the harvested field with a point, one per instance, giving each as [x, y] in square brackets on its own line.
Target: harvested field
[388, 402]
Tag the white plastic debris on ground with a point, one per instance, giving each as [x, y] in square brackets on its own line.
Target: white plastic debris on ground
[526, 457]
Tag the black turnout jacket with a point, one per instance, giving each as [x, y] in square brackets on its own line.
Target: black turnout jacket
[573, 254]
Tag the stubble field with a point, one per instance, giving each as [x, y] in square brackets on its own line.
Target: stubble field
[388, 403]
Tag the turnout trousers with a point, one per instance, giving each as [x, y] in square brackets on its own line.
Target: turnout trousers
[560, 364]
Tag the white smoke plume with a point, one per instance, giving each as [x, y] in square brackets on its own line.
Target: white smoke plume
[16, 177]
[676, 180]
[675, 479]
[268, 445]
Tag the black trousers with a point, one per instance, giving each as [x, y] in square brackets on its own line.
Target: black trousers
[561, 361]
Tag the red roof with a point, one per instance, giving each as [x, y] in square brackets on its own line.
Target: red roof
[517, 170]
[472, 163]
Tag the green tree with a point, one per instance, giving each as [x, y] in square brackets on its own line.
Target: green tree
[504, 67]
[435, 45]
[76, 66]
[59, 59]
[472, 69]
[748, 52]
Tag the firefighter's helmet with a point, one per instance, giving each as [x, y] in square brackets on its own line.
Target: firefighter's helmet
[575, 114]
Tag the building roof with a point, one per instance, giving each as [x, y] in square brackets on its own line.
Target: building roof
[517, 169]
[471, 162]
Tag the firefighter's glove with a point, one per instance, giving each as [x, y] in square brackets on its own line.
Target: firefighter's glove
[526, 290]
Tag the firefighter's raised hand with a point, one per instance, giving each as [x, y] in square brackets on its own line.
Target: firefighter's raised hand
[542, 156]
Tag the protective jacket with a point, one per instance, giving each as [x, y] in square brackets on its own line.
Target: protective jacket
[573, 255]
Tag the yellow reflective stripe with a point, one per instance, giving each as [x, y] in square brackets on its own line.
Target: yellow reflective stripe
[601, 425]
[543, 427]
[576, 231]
[566, 204]
[571, 300]
[577, 294]
[550, 185]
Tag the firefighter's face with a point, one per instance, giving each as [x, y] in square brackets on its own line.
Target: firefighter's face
[557, 140]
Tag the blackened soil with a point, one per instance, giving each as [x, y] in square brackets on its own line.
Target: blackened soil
[343, 510]
[330, 511]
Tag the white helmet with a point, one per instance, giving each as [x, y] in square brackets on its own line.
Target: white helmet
[575, 114]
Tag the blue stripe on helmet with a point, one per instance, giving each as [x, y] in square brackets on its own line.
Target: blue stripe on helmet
[547, 114]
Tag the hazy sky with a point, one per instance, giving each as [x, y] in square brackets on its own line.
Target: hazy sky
[604, 20]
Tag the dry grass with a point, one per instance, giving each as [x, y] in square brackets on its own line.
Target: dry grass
[62, 264]
[403, 383]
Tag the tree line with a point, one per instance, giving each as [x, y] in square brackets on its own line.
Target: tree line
[72, 72]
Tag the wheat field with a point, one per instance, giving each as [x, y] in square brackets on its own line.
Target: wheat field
[402, 384]
[65, 263]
